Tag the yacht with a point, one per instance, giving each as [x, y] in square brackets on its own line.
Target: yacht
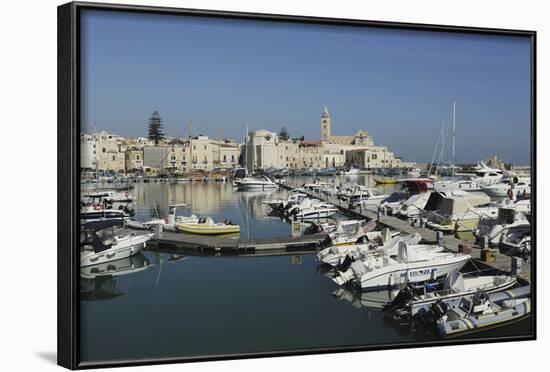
[99, 243]
[486, 175]
[512, 188]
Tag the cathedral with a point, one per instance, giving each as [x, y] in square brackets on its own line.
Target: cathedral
[361, 138]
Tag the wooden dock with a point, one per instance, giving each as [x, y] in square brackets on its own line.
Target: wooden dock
[501, 262]
[200, 243]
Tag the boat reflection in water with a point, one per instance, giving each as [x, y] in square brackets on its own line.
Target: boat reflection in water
[371, 300]
[98, 282]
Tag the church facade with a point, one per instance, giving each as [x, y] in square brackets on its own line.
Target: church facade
[264, 149]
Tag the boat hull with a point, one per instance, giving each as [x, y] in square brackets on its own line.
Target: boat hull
[410, 273]
[208, 230]
[115, 253]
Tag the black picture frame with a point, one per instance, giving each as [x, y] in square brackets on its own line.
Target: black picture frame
[69, 185]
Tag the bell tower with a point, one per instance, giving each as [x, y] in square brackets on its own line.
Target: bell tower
[325, 125]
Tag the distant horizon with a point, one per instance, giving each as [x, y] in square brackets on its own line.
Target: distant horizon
[398, 85]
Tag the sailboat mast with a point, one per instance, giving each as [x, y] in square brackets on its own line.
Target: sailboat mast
[454, 133]
[96, 155]
[246, 149]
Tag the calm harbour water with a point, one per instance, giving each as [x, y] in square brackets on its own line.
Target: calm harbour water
[163, 305]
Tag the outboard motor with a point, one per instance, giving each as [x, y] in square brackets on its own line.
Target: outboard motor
[327, 242]
[362, 240]
[401, 300]
[344, 266]
[436, 312]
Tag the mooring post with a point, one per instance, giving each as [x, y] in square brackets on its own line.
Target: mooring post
[516, 266]
[485, 242]
[439, 237]
[158, 231]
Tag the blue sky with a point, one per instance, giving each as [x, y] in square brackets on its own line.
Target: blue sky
[398, 85]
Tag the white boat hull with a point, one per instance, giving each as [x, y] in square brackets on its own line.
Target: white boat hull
[125, 249]
[412, 272]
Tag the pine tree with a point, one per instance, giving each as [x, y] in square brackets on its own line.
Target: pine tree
[155, 128]
[283, 134]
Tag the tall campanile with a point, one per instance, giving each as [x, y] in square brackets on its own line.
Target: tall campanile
[325, 125]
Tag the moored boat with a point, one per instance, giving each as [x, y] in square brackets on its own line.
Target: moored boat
[207, 226]
[100, 244]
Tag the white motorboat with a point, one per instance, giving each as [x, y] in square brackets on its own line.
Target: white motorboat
[516, 243]
[280, 203]
[97, 212]
[110, 196]
[415, 172]
[100, 244]
[455, 185]
[256, 183]
[457, 211]
[367, 198]
[512, 188]
[314, 211]
[508, 220]
[486, 175]
[348, 232]
[412, 265]
[167, 223]
[349, 190]
[393, 202]
[316, 185]
[413, 205]
[376, 243]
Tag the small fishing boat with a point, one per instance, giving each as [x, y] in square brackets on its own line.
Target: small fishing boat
[207, 226]
[100, 244]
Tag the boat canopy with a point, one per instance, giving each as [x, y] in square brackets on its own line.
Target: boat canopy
[404, 254]
[456, 202]
[417, 185]
[454, 282]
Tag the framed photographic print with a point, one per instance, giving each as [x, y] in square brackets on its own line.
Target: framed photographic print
[237, 185]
